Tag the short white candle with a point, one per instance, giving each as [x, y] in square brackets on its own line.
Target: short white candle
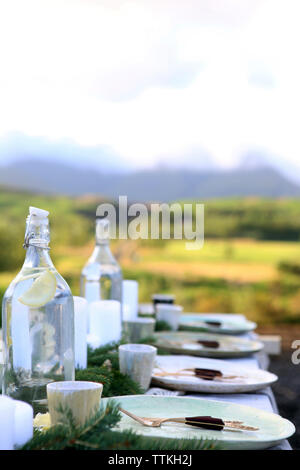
[130, 299]
[105, 322]
[7, 420]
[169, 314]
[81, 325]
[23, 427]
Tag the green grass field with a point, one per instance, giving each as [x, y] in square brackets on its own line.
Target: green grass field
[240, 271]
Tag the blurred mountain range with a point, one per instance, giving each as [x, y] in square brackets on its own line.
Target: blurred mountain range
[160, 184]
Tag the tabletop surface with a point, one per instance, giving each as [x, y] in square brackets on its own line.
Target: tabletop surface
[263, 399]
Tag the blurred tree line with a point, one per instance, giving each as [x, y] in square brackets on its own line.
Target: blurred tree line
[72, 226]
[72, 221]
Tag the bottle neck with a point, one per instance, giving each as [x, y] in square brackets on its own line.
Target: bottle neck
[36, 243]
[102, 232]
[102, 253]
[102, 242]
[37, 257]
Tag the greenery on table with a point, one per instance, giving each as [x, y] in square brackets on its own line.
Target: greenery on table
[103, 366]
[97, 434]
[162, 326]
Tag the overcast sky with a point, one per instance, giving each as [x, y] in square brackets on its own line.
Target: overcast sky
[154, 81]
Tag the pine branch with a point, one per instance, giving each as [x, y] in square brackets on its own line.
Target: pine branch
[100, 432]
[97, 434]
[162, 326]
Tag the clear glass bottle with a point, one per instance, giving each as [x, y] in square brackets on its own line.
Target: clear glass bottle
[101, 277]
[38, 321]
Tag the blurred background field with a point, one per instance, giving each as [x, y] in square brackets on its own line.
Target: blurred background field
[250, 262]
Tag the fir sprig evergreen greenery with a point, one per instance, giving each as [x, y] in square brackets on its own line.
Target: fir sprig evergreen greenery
[103, 367]
[162, 325]
[97, 434]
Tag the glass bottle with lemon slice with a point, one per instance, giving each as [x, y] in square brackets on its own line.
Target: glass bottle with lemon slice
[38, 321]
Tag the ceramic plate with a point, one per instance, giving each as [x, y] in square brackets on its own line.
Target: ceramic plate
[272, 428]
[253, 379]
[230, 325]
[187, 343]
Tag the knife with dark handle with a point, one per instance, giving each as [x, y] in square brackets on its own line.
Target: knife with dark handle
[209, 344]
[213, 323]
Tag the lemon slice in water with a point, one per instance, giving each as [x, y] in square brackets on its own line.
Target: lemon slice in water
[41, 291]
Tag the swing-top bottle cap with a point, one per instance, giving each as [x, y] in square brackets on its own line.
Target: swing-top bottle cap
[37, 214]
[37, 229]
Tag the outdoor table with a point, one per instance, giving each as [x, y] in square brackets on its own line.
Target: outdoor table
[263, 399]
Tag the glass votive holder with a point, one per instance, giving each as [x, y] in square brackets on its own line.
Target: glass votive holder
[81, 398]
[137, 361]
[139, 328]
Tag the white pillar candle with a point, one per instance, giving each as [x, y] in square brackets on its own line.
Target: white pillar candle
[93, 341]
[105, 322]
[92, 291]
[81, 325]
[130, 295]
[23, 423]
[1, 358]
[7, 413]
[20, 329]
[92, 294]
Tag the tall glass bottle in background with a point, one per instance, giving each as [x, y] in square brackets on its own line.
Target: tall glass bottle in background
[38, 321]
[101, 277]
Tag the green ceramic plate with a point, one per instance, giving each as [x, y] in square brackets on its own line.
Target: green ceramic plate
[272, 428]
[186, 343]
[233, 326]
